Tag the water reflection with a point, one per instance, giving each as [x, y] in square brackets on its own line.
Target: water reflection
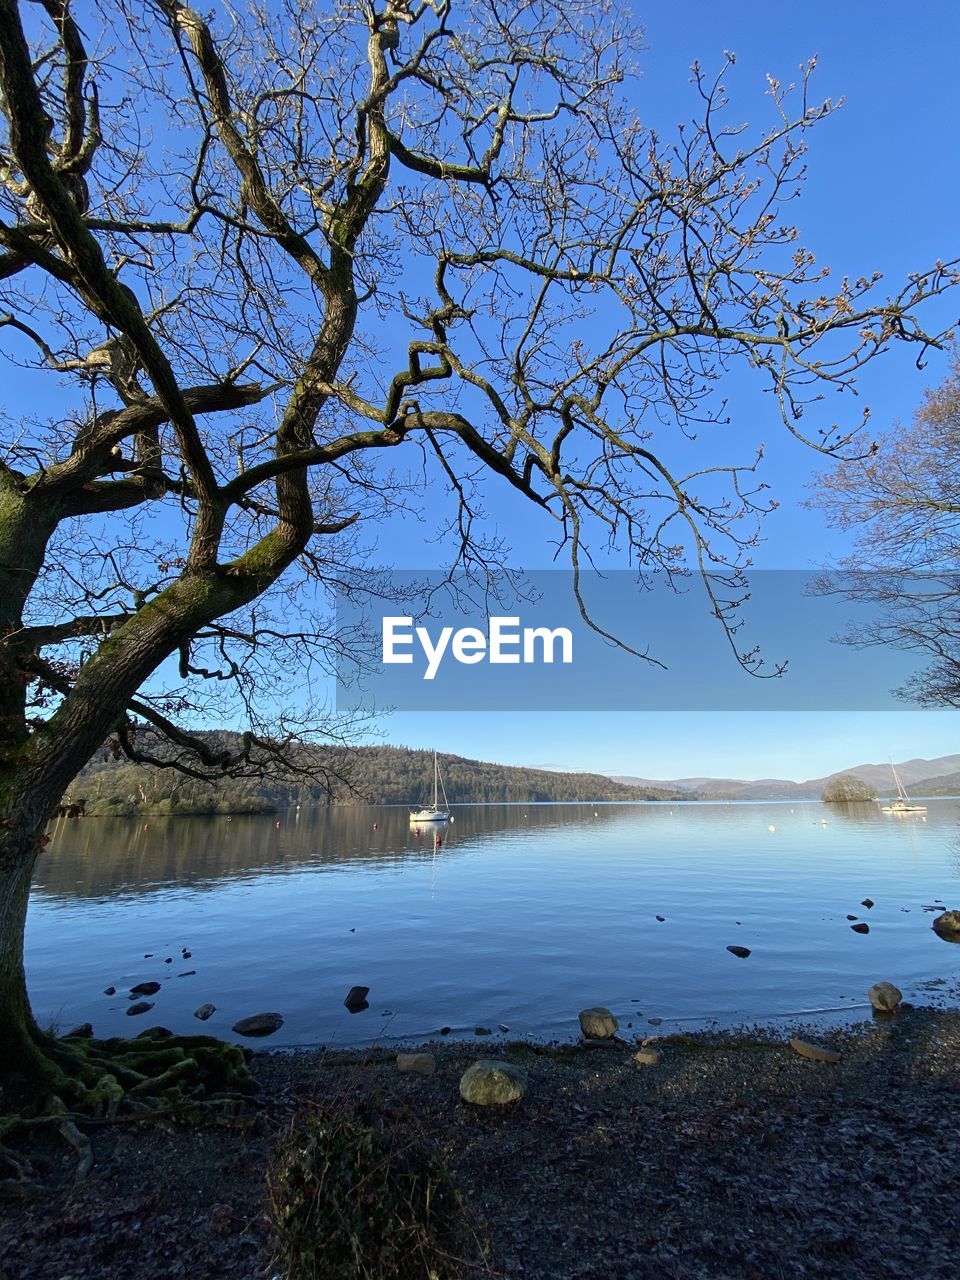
[105, 858]
[516, 914]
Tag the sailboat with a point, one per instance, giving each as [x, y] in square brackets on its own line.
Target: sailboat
[433, 813]
[902, 803]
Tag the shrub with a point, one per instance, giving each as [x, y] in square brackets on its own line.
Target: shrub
[346, 1202]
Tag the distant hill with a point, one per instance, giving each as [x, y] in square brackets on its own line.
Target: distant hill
[400, 775]
[948, 784]
[940, 776]
[354, 775]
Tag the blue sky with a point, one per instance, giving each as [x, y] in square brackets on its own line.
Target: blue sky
[882, 193]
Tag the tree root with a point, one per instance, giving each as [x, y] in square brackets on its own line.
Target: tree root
[81, 1144]
[157, 1077]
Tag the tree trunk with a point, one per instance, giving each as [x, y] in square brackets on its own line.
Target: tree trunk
[25, 1066]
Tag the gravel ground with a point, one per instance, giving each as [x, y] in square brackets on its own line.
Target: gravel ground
[733, 1159]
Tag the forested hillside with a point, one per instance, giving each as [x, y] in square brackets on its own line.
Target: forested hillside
[357, 775]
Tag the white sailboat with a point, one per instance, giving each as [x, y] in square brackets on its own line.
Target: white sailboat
[902, 804]
[433, 813]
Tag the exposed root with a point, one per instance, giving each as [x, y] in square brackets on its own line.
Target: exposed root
[16, 1169]
[185, 1080]
[81, 1144]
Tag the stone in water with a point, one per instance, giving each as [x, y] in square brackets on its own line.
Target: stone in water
[145, 989]
[598, 1023]
[258, 1024]
[947, 925]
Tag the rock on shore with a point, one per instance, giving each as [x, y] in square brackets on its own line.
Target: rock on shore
[421, 1064]
[815, 1052]
[598, 1023]
[491, 1083]
[884, 996]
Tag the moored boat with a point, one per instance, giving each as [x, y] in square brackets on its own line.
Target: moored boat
[433, 813]
[903, 803]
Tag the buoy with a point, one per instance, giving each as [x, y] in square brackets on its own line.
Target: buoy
[438, 842]
[277, 824]
[146, 826]
[376, 826]
[771, 827]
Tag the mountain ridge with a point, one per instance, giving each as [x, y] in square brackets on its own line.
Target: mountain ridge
[110, 786]
[941, 774]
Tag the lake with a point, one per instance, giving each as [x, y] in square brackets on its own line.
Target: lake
[521, 917]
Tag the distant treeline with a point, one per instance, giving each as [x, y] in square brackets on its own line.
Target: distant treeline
[339, 775]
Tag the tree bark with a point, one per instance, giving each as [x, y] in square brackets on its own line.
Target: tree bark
[26, 1067]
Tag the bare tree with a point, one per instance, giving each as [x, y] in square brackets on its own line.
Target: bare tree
[277, 264]
[902, 505]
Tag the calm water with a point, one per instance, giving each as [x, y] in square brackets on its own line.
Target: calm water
[522, 917]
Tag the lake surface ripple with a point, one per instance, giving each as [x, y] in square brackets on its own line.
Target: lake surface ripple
[521, 917]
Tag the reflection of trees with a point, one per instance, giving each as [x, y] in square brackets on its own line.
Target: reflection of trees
[106, 857]
[858, 811]
[115, 857]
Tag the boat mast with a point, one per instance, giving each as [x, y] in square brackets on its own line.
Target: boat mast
[435, 779]
[896, 778]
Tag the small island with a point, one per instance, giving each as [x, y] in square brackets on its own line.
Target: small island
[847, 788]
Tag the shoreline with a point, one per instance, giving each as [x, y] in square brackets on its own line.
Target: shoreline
[733, 1158]
[493, 804]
